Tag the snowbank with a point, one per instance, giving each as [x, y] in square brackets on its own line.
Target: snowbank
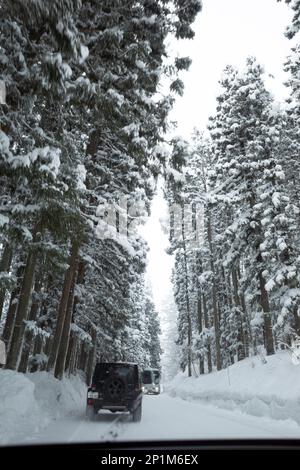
[30, 402]
[270, 390]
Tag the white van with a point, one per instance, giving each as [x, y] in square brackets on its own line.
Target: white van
[151, 381]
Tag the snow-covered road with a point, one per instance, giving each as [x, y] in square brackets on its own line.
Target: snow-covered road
[165, 417]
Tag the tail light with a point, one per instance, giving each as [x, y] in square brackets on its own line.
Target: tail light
[90, 401]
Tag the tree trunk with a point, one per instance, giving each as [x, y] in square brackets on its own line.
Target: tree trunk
[48, 344]
[70, 352]
[247, 326]
[62, 308]
[4, 267]
[82, 357]
[22, 309]
[187, 299]
[296, 319]
[29, 333]
[73, 342]
[65, 337]
[80, 281]
[91, 357]
[45, 347]
[199, 309]
[74, 358]
[206, 324]
[200, 315]
[63, 327]
[214, 298]
[11, 312]
[37, 350]
[264, 300]
[237, 301]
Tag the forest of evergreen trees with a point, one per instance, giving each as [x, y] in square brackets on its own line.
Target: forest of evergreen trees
[81, 127]
[238, 290]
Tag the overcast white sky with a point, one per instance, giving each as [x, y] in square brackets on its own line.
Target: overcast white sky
[227, 31]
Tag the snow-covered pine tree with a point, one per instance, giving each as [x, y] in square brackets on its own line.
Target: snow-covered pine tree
[288, 155]
[249, 180]
[294, 28]
[239, 113]
[32, 58]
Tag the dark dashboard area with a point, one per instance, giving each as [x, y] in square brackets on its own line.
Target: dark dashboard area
[157, 453]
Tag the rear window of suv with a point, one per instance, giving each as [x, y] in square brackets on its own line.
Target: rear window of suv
[104, 371]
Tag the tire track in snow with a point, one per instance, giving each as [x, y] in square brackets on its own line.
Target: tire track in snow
[112, 429]
[116, 428]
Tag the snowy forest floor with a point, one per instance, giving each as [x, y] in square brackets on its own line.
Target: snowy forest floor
[262, 400]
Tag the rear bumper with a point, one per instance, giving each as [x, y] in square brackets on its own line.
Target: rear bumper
[125, 405]
[114, 408]
[101, 404]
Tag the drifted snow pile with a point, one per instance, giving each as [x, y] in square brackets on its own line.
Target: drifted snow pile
[270, 389]
[29, 402]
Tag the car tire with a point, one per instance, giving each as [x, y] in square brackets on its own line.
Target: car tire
[137, 414]
[91, 414]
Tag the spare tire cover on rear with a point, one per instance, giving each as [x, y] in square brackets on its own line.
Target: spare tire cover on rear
[114, 388]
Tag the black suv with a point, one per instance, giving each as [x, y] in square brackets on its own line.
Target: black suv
[116, 386]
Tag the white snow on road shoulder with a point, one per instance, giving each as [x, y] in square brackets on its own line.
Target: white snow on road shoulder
[267, 390]
[30, 402]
